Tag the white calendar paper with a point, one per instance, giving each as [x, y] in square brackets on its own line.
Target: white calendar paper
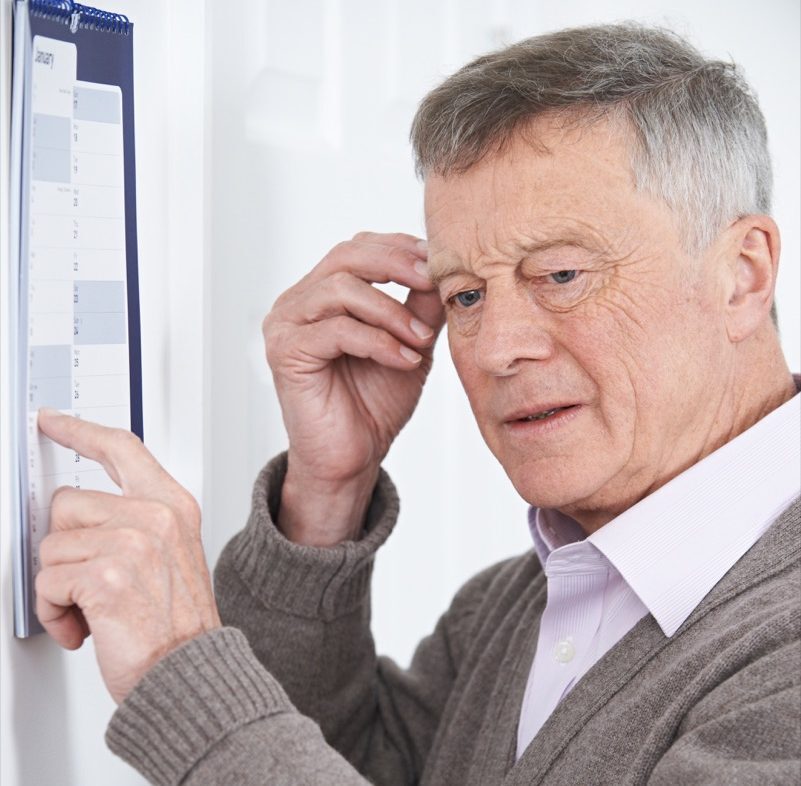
[76, 300]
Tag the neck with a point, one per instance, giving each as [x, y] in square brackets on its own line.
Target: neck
[760, 382]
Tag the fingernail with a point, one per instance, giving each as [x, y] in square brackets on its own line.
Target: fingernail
[48, 412]
[422, 269]
[410, 355]
[422, 246]
[420, 329]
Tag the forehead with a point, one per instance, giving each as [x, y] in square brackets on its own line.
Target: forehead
[574, 186]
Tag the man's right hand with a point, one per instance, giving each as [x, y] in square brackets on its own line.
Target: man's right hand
[349, 363]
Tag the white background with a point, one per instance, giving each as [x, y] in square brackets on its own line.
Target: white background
[267, 132]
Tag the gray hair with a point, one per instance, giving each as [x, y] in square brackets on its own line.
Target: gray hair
[700, 142]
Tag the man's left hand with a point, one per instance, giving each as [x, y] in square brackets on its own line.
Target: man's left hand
[130, 569]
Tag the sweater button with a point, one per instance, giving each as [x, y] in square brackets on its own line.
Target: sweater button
[565, 651]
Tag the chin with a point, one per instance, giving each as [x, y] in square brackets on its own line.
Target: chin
[559, 484]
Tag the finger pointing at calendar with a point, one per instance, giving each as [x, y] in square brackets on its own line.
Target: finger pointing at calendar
[128, 569]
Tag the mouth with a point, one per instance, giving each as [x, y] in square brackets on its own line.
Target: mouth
[544, 414]
[540, 423]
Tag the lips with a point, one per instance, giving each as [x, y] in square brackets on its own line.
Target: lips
[543, 415]
[537, 413]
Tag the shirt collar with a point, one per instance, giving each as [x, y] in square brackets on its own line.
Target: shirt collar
[674, 545]
[551, 530]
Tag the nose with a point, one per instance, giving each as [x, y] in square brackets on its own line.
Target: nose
[512, 329]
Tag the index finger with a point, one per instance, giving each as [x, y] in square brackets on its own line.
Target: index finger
[121, 453]
[374, 262]
[416, 245]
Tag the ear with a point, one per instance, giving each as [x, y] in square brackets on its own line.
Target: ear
[751, 280]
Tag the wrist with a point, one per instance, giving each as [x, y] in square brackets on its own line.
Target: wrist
[323, 513]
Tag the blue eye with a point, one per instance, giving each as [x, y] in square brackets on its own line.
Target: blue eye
[468, 297]
[564, 276]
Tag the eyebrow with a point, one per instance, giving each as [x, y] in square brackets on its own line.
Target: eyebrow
[454, 266]
[449, 268]
[536, 247]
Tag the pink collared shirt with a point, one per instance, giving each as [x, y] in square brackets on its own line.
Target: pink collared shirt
[662, 556]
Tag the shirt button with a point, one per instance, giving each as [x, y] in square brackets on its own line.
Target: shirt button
[565, 651]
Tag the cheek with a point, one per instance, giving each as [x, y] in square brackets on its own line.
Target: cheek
[645, 353]
[609, 340]
[461, 355]
[473, 380]
[641, 321]
[463, 323]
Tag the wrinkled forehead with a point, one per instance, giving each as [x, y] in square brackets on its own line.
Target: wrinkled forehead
[574, 186]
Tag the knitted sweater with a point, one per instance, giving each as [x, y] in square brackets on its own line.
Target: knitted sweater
[291, 690]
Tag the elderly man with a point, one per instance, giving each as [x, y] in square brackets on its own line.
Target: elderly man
[600, 246]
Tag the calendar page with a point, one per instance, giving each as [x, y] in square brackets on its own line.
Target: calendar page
[75, 276]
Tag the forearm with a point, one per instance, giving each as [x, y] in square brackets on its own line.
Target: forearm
[306, 610]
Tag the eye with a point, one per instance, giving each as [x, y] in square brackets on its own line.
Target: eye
[564, 276]
[468, 297]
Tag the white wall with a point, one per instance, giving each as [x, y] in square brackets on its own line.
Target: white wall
[264, 136]
[53, 706]
[312, 106]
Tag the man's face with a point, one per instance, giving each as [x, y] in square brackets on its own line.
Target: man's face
[589, 343]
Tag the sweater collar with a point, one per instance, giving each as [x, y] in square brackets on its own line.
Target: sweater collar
[674, 545]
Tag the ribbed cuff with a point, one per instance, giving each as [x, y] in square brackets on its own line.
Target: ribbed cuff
[189, 701]
[305, 580]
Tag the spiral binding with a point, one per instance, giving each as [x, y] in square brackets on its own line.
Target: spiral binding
[79, 16]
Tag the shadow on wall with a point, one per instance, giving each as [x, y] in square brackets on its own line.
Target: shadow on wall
[39, 712]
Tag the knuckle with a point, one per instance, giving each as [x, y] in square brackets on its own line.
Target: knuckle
[134, 541]
[268, 330]
[282, 301]
[340, 250]
[130, 438]
[386, 342]
[362, 236]
[62, 509]
[40, 582]
[398, 254]
[275, 344]
[47, 549]
[124, 440]
[189, 509]
[60, 493]
[397, 238]
[340, 327]
[339, 281]
[59, 500]
[110, 575]
[163, 521]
